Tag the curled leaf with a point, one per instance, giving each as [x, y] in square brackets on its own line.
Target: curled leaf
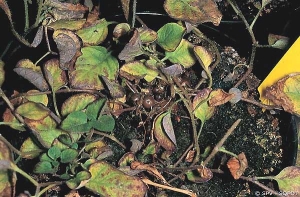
[286, 93]
[69, 45]
[237, 166]
[194, 11]
[133, 48]
[161, 128]
[219, 97]
[32, 73]
[173, 70]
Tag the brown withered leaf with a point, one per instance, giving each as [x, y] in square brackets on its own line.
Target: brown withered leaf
[219, 97]
[32, 73]
[132, 48]
[190, 156]
[115, 89]
[8, 178]
[136, 165]
[6, 9]
[286, 93]
[125, 7]
[61, 10]
[38, 37]
[194, 11]
[68, 45]
[237, 166]
[92, 17]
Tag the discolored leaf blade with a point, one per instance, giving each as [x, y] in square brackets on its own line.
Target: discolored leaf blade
[200, 105]
[286, 93]
[30, 148]
[107, 180]
[147, 35]
[94, 34]
[68, 45]
[32, 73]
[161, 136]
[95, 61]
[70, 24]
[133, 48]
[33, 111]
[168, 128]
[55, 76]
[138, 70]
[115, 89]
[289, 179]
[204, 56]
[219, 97]
[7, 178]
[194, 11]
[76, 103]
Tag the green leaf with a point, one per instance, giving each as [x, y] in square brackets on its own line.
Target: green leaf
[170, 35]
[54, 152]
[289, 179]
[104, 123]
[94, 34]
[68, 155]
[33, 111]
[93, 109]
[45, 157]
[76, 122]
[44, 167]
[137, 70]
[183, 54]
[107, 180]
[200, 105]
[76, 103]
[95, 61]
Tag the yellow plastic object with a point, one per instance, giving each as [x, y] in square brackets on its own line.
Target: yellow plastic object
[289, 63]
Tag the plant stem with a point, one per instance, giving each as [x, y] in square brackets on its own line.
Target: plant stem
[221, 142]
[223, 150]
[113, 138]
[49, 185]
[133, 13]
[26, 27]
[23, 173]
[11, 147]
[147, 181]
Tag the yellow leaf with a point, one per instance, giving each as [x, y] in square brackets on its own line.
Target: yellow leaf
[289, 63]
